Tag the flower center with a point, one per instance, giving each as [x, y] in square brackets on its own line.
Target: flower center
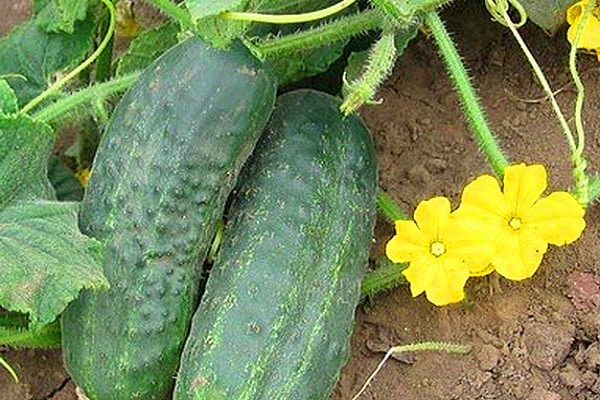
[437, 248]
[515, 223]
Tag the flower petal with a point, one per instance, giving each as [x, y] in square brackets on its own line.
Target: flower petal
[575, 11]
[408, 243]
[449, 282]
[482, 199]
[473, 241]
[477, 270]
[557, 218]
[519, 254]
[590, 35]
[432, 216]
[523, 185]
[420, 273]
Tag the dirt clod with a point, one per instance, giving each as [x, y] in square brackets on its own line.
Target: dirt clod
[547, 345]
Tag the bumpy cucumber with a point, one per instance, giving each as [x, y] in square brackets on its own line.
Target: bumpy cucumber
[277, 314]
[164, 169]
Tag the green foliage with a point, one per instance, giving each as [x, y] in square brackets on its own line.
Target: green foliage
[21, 336]
[547, 14]
[8, 99]
[148, 46]
[300, 63]
[63, 180]
[200, 9]
[61, 15]
[217, 31]
[38, 56]
[44, 260]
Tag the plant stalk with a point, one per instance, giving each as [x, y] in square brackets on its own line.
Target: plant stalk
[89, 94]
[468, 98]
[339, 29]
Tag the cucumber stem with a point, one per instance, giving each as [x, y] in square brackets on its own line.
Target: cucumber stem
[468, 98]
[339, 29]
[386, 276]
[19, 337]
[389, 208]
[96, 92]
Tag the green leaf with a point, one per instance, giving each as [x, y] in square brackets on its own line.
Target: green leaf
[8, 99]
[63, 180]
[217, 31]
[61, 15]
[44, 260]
[200, 9]
[24, 148]
[303, 62]
[306, 63]
[147, 47]
[38, 56]
[547, 14]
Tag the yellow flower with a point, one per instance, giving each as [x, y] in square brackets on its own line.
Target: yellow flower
[83, 176]
[590, 35]
[441, 252]
[520, 222]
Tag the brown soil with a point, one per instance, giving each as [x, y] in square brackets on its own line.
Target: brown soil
[538, 339]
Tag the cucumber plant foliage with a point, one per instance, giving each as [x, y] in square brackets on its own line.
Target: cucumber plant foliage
[44, 259]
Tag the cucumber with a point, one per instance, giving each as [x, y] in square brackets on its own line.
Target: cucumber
[275, 320]
[163, 171]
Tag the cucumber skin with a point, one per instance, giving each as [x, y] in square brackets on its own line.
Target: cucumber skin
[163, 171]
[278, 310]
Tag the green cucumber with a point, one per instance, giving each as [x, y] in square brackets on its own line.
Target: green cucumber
[276, 317]
[163, 171]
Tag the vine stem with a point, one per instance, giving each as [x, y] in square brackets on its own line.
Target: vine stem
[499, 10]
[288, 18]
[385, 276]
[469, 100]
[436, 346]
[582, 181]
[62, 82]
[91, 93]
[340, 29]
[389, 208]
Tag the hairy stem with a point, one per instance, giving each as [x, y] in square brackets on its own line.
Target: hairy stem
[386, 276]
[339, 29]
[389, 208]
[87, 95]
[62, 82]
[44, 337]
[594, 188]
[380, 63]
[423, 346]
[468, 98]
